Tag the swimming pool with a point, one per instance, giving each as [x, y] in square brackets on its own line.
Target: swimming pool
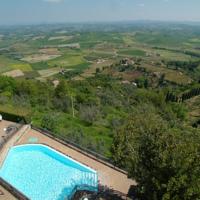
[41, 173]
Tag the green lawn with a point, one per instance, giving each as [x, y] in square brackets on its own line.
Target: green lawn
[132, 52]
[67, 61]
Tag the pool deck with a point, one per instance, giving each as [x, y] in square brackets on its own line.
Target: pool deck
[6, 195]
[108, 176]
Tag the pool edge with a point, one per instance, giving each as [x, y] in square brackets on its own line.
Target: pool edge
[58, 152]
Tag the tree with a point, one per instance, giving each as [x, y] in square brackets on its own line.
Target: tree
[98, 70]
[161, 80]
[62, 100]
[89, 114]
[142, 82]
[49, 122]
[61, 90]
[7, 84]
[164, 161]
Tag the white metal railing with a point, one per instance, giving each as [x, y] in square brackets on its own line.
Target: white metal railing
[88, 181]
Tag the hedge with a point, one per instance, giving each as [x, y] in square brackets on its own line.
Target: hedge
[15, 115]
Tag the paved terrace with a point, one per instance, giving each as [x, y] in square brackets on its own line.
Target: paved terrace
[4, 194]
[114, 179]
[108, 176]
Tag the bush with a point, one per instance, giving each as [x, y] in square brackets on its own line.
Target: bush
[49, 122]
[15, 118]
[88, 114]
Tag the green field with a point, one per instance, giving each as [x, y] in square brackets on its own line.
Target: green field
[44, 51]
[132, 52]
[44, 55]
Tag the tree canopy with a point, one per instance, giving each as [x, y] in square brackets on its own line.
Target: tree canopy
[164, 160]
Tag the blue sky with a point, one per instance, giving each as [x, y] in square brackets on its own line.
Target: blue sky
[50, 11]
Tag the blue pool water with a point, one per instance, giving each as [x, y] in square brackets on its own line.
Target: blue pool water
[42, 173]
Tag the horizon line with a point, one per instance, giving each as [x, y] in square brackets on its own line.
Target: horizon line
[103, 22]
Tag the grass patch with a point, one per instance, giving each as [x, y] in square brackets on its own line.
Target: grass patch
[31, 74]
[133, 52]
[67, 61]
[75, 130]
[23, 67]
[40, 66]
[6, 63]
[81, 66]
[171, 55]
[98, 55]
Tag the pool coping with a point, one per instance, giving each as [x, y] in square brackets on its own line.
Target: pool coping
[58, 152]
[21, 196]
[4, 149]
[9, 143]
[12, 190]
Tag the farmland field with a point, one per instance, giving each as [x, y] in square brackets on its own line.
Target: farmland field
[44, 54]
[132, 52]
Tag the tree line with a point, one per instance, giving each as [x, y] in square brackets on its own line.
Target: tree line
[183, 97]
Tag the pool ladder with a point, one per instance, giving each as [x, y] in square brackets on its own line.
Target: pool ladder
[88, 181]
